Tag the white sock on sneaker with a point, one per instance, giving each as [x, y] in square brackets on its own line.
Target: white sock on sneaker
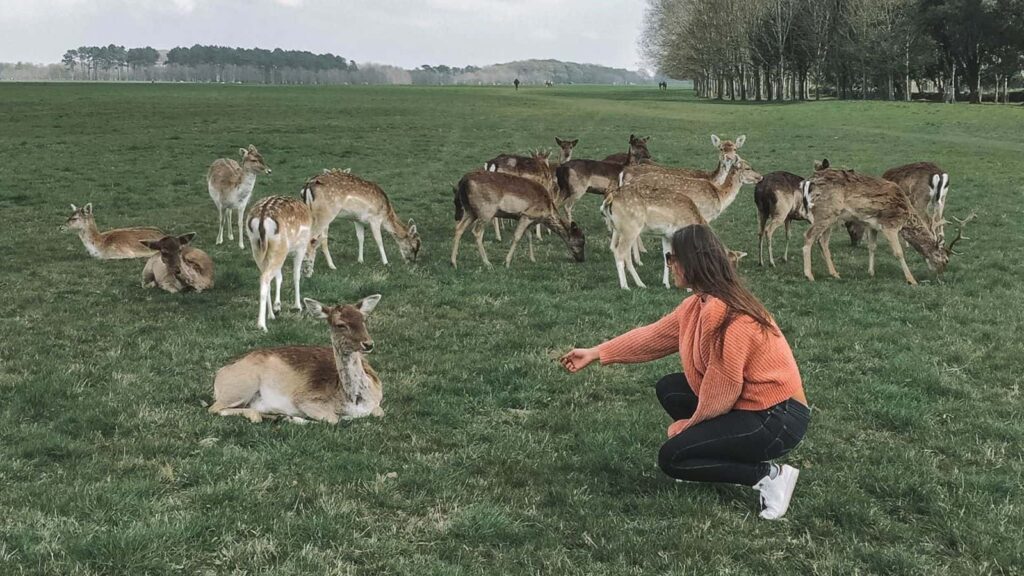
[776, 491]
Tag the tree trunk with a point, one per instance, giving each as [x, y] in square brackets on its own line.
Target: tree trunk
[906, 73]
[743, 83]
[972, 72]
[864, 83]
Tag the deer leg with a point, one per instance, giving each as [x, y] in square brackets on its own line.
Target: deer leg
[254, 416]
[524, 224]
[220, 224]
[318, 411]
[893, 237]
[478, 233]
[529, 240]
[823, 241]
[634, 252]
[785, 255]
[460, 229]
[375, 230]
[872, 235]
[300, 255]
[497, 229]
[227, 217]
[770, 233]
[261, 318]
[620, 255]
[360, 236]
[666, 247]
[241, 216]
[327, 253]
[278, 279]
[810, 236]
[539, 236]
[632, 270]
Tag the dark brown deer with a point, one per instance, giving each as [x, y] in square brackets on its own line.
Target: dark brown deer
[637, 149]
[779, 200]
[577, 177]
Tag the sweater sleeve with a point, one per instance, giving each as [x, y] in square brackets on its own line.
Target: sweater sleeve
[643, 344]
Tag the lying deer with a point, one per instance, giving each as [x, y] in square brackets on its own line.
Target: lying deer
[623, 158]
[114, 244]
[577, 177]
[303, 383]
[482, 196]
[662, 203]
[177, 266]
[779, 200]
[341, 194]
[230, 185]
[882, 206]
[279, 226]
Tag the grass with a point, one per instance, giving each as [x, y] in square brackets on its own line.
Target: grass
[505, 464]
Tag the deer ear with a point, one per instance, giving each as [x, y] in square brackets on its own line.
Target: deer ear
[87, 208]
[740, 141]
[574, 142]
[315, 309]
[252, 148]
[825, 164]
[559, 141]
[347, 170]
[186, 238]
[242, 152]
[151, 244]
[366, 305]
[74, 208]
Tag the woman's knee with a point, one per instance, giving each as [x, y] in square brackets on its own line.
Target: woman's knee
[672, 384]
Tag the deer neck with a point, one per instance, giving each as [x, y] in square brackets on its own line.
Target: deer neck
[248, 180]
[394, 226]
[351, 375]
[720, 174]
[91, 236]
[727, 191]
[918, 235]
[565, 157]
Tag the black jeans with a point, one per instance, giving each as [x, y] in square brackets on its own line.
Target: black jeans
[734, 447]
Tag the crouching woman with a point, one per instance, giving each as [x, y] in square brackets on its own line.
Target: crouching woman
[739, 402]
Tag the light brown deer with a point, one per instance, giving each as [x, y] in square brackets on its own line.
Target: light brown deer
[577, 177]
[303, 383]
[231, 184]
[779, 200]
[927, 186]
[882, 206]
[279, 226]
[177, 266]
[662, 203]
[727, 157]
[512, 163]
[341, 194]
[116, 244]
[482, 196]
[536, 167]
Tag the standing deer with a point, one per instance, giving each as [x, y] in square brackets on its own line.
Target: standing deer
[230, 186]
[727, 157]
[577, 177]
[116, 244]
[779, 200]
[662, 203]
[279, 226]
[341, 194]
[511, 162]
[305, 383]
[927, 186]
[482, 196]
[882, 206]
[536, 167]
[177, 266]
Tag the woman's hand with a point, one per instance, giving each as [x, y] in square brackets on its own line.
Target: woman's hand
[676, 427]
[578, 358]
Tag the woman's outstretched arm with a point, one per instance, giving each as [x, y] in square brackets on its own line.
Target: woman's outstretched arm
[642, 344]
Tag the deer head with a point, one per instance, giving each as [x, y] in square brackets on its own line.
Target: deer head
[410, 245]
[169, 248]
[727, 154]
[80, 219]
[823, 165]
[566, 146]
[746, 174]
[252, 160]
[347, 323]
[638, 148]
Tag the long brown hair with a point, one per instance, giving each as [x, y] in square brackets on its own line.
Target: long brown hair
[708, 271]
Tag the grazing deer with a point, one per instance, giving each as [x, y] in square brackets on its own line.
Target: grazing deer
[303, 383]
[882, 206]
[662, 203]
[230, 186]
[536, 167]
[636, 143]
[577, 177]
[115, 244]
[177, 266]
[483, 196]
[279, 226]
[927, 186]
[779, 200]
[340, 194]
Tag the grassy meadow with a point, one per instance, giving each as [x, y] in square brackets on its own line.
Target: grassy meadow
[490, 459]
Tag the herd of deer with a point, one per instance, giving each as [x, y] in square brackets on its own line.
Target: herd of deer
[639, 196]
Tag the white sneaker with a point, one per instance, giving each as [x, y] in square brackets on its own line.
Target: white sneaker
[776, 492]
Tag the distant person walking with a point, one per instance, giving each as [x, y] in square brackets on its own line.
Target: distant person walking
[739, 401]
[516, 83]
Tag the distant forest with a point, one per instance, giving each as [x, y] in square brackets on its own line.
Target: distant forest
[260, 66]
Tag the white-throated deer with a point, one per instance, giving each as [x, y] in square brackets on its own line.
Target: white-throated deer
[482, 196]
[341, 194]
[327, 384]
[662, 203]
[882, 206]
[230, 185]
[177, 266]
[116, 244]
[279, 226]
[779, 200]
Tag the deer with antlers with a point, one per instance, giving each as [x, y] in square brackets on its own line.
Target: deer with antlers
[231, 184]
[882, 206]
[116, 244]
[341, 194]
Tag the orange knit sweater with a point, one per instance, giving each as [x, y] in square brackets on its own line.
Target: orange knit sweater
[755, 370]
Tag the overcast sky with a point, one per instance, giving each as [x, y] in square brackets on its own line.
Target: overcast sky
[407, 33]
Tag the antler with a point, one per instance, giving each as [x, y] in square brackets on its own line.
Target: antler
[960, 232]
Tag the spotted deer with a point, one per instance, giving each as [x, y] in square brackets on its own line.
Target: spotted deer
[882, 206]
[116, 244]
[577, 177]
[779, 200]
[727, 156]
[341, 194]
[279, 226]
[177, 266]
[482, 196]
[662, 203]
[303, 383]
[230, 185]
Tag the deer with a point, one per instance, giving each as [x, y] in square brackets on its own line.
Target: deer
[881, 206]
[663, 203]
[727, 156]
[482, 196]
[927, 186]
[230, 185]
[577, 177]
[340, 194]
[779, 200]
[307, 383]
[177, 266]
[510, 162]
[279, 226]
[117, 244]
[635, 143]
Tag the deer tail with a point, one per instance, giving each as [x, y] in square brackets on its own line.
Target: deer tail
[939, 188]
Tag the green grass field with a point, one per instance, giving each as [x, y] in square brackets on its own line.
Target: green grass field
[505, 463]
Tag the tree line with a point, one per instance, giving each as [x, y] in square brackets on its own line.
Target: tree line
[799, 49]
